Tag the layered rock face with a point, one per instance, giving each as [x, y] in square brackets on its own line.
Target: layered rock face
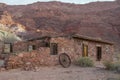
[7, 23]
[98, 19]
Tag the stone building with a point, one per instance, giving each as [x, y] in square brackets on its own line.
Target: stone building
[48, 49]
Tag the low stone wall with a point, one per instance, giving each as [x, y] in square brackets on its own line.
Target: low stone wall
[19, 47]
[22, 46]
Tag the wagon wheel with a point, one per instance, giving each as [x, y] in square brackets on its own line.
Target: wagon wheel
[64, 60]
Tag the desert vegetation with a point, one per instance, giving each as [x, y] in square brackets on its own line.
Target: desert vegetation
[8, 36]
[85, 62]
[113, 66]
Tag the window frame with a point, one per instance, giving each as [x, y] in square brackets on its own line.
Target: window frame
[98, 53]
[9, 46]
[53, 49]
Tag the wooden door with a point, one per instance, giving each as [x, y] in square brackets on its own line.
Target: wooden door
[85, 50]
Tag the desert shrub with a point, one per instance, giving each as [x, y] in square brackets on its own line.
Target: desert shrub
[112, 65]
[109, 65]
[117, 66]
[118, 57]
[85, 62]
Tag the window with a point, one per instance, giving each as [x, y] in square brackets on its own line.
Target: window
[53, 48]
[7, 48]
[85, 50]
[31, 47]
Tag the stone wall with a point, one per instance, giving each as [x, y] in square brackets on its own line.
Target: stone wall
[74, 48]
[41, 56]
[65, 46]
[19, 47]
[1, 48]
[107, 50]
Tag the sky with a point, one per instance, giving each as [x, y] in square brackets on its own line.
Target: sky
[21, 2]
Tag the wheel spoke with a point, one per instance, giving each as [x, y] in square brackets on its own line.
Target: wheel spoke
[64, 60]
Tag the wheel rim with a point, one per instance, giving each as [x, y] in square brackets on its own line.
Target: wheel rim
[64, 60]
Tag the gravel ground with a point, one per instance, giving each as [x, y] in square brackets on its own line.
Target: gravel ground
[59, 73]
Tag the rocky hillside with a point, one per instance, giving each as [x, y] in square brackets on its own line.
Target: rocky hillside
[97, 19]
[9, 25]
[9, 29]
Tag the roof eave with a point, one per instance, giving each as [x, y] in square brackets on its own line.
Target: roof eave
[93, 39]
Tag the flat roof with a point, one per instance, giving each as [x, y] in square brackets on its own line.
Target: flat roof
[74, 36]
[91, 39]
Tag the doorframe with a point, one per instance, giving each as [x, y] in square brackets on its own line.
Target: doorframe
[83, 50]
[98, 53]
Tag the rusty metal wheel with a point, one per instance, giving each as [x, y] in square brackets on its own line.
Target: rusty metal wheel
[64, 60]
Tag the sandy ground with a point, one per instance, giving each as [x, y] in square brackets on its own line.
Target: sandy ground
[59, 73]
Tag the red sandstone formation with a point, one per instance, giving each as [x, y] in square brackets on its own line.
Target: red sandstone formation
[97, 19]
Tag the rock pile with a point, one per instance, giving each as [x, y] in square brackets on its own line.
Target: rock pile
[30, 60]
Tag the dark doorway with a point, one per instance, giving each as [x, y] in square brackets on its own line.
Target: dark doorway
[99, 53]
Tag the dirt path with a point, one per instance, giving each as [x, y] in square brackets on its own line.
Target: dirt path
[59, 73]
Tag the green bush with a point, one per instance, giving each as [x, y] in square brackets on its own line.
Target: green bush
[118, 57]
[85, 62]
[117, 66]
[109, 65]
